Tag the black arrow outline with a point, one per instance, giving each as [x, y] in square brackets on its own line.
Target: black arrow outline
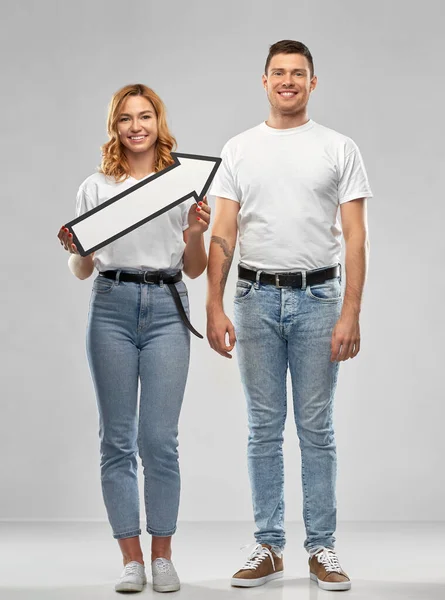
[176, 156]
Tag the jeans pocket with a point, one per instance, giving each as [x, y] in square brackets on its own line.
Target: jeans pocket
[180, 286]
[103, 285]
[328, 291]
[243, 289]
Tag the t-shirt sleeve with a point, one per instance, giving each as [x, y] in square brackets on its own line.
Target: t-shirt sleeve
[353, 180]
[83, 202]
[224, 184]
[185, 206]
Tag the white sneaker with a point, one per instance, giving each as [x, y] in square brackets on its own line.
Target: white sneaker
[132, 579]
[165, 578]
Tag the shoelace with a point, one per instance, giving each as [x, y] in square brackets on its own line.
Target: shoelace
[256, 557]
[163, 566]
[329, 560]
[131, 568]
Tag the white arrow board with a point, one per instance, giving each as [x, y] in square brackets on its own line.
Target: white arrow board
[190, 176]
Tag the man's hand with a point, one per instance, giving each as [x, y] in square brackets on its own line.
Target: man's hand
[218, 326]
[345, 341]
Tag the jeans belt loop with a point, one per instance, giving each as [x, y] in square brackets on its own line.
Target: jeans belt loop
[161, 281]
[256, 285]
[303, 280]
[340, 272]
[118, 274]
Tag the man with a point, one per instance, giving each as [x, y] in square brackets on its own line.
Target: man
[283, 185]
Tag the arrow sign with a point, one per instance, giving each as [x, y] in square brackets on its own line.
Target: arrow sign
[189, 177]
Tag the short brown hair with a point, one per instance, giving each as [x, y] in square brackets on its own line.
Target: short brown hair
[290, 47]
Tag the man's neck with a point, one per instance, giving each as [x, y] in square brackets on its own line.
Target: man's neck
[277, 120]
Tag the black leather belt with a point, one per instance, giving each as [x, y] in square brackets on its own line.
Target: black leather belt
[158, 278]
[295, 279]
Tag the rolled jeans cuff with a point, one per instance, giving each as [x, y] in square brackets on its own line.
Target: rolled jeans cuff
[160, 533]
[120, 536]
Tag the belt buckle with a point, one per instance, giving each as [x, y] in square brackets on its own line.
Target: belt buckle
[144, 277]
[277, 281]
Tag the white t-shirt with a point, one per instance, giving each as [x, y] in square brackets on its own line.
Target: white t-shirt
[156, 245]
[290, 183]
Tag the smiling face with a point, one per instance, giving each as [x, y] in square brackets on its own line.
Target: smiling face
[288, 84]
[137, 124]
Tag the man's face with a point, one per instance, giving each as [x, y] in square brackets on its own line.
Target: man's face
[288, 83]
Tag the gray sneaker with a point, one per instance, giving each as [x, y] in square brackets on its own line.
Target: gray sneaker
[132, 579]
[165, 578]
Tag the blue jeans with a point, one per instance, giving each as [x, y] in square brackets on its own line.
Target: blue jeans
[277, 329]
[135, 336]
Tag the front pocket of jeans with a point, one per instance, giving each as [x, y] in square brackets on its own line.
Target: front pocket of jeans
[103, 285]
[329, 291]
[243, 289]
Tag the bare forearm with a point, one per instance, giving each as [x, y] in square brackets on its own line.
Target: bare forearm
[195, 256]
[220, 260]
[356, 259]
[81, 266]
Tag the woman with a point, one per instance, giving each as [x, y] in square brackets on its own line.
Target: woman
[136, 335]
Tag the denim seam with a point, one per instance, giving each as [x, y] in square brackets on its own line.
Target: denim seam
[140, 311]
[307, 514]
[281, 508]
[281, 325]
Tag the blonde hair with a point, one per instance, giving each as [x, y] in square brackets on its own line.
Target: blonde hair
[114, 162]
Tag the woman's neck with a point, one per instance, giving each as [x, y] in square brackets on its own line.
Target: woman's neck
[141, 164]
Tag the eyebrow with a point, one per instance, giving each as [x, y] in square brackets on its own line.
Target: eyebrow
[283, 69]
[141, 113]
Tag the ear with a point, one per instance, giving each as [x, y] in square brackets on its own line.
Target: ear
[314, 82]
[264, 80]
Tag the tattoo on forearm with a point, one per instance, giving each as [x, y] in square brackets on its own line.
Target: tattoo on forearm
[228, 253]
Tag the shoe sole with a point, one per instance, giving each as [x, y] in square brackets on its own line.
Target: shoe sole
[331, 586]
[238, 582]
[129, 587]
[174, 587]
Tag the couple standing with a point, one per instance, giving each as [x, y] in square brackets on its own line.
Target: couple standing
[280, 185]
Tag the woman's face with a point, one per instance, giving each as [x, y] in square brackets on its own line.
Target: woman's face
[137, 124]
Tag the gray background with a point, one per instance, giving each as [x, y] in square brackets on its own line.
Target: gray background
[380, 75]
